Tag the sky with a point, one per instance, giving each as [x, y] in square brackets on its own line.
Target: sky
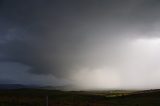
[88, 44]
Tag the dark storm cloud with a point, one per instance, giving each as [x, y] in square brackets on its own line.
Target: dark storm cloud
[61, 36]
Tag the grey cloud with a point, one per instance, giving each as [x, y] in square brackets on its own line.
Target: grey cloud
[61, 37]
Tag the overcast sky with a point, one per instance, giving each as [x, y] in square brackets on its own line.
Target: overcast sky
[91, 44]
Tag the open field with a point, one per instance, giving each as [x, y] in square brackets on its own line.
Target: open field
[38, 97]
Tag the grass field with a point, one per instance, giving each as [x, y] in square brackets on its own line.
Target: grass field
[38, 97]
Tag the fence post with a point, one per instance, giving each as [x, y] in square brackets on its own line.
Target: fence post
[47, 100]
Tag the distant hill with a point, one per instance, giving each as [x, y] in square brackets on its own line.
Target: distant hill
[63, 88]
[16, 86]
[21, 86]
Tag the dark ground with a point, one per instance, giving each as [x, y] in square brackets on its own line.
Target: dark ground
[37, 97]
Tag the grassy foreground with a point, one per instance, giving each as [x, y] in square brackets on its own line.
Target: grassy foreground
[38, 97]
